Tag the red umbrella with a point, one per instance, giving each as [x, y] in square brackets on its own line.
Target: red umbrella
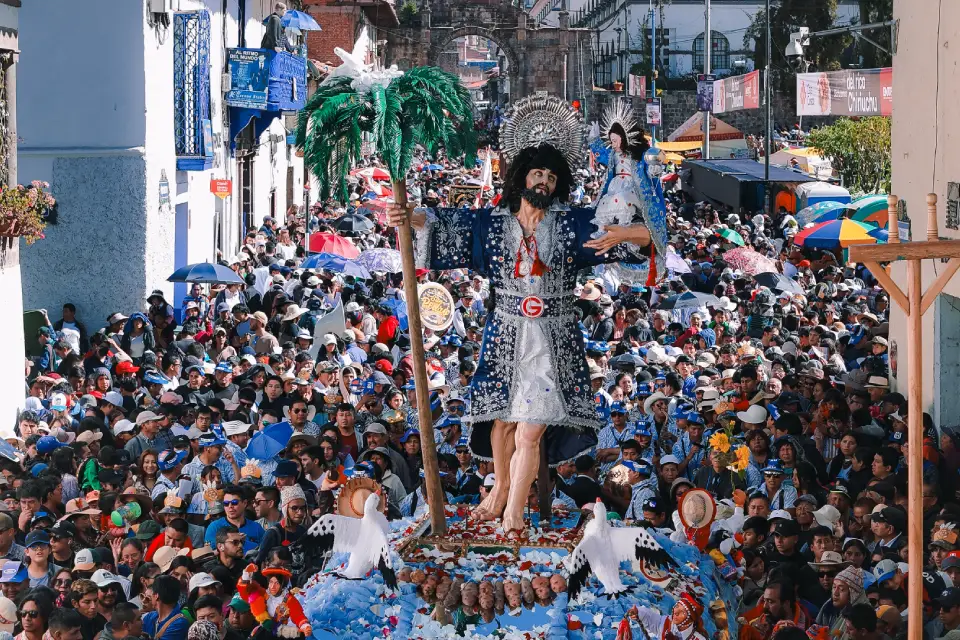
[332, 243]
[374, 173]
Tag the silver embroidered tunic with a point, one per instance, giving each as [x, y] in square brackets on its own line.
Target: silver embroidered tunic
[532, 361]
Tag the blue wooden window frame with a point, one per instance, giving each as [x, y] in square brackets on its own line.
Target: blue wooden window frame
[191, 90]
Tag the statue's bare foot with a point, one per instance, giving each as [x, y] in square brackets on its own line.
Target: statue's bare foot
[490, 509]
[514, 527]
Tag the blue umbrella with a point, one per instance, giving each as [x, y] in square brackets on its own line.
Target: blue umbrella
[298, 20]
[337, 264]
[400, 310]
[356, 270]
[205, 272]
[433, 167]
[819, 211]
[270, 441]
[690, 300]
[330, 261]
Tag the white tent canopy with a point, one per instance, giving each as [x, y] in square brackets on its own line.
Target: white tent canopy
[725, 139]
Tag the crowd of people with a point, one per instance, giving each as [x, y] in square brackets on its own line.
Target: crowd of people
[134, 504]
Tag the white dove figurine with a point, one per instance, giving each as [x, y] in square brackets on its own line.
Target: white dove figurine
[603, 548]
[364, 539]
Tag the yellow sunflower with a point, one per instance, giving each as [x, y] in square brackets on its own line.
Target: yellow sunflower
[720, 442]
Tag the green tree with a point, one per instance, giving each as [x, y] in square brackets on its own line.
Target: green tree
[786, 17]
[873, 11]
[859, 150]
[409, 12]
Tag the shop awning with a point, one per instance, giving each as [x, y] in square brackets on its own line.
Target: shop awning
[679, 147]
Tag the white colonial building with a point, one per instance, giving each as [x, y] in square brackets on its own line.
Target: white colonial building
[624, 25]
[123, 113]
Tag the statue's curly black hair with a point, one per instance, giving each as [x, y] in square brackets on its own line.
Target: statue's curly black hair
[545, 156]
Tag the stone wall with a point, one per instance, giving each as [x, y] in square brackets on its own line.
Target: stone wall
[678, 106]
[535, 57]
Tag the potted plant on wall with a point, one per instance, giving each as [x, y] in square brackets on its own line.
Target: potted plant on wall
[24, 213]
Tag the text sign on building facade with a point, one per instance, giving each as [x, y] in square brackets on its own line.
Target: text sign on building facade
[249, 78]
[221, 188]
[851, 92]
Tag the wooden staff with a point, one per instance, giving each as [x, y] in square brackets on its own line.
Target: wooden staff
[431, 470]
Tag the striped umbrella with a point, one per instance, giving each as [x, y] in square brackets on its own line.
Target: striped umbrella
[819, 212]
[836, 233]
[871, 209]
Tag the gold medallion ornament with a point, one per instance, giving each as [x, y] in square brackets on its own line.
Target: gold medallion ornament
[436, 306]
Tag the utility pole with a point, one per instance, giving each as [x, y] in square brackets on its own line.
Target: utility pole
[707, 50]
[769, 117]
[653, 62]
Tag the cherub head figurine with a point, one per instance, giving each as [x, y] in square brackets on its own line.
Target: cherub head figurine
[541, 587]
[558, 584]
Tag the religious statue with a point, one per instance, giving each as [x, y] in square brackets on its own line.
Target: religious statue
[632, 192]
[532, 387]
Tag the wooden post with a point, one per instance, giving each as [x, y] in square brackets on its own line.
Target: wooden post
[933, 233]
[915, 438]
[431, 470]
[893, 224]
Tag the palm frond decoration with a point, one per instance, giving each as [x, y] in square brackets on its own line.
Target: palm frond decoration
[425, 106]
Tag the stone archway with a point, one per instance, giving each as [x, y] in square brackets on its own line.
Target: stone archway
[441, 39]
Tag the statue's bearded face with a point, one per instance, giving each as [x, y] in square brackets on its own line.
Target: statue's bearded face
[540, 185]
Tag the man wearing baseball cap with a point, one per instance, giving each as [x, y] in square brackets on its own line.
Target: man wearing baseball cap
[612, 436]
[949, 617]
[149, 435]
[170, 462]
[643, 487]
[9, 549]
[14, 581]
[888, 524]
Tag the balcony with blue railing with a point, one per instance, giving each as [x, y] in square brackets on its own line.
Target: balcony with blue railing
[264, 83]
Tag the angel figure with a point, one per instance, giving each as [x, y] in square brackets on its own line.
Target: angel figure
[632, 192]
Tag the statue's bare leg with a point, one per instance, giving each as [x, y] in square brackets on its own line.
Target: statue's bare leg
[523, 471]
[504, 444]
